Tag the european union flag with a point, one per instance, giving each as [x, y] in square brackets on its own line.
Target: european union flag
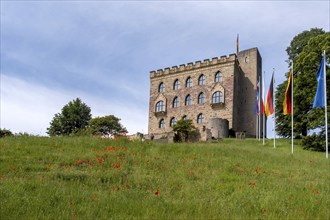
[319, 96]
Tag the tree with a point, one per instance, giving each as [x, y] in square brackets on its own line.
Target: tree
[5, 133]
[300, 41]
[306, 50]
[183, 127]
[106, 125]
[74, 116]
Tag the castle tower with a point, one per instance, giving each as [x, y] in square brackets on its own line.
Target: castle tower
[222, 88]
[250, 63]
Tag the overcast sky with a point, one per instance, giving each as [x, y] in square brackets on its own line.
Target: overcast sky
[103, 51]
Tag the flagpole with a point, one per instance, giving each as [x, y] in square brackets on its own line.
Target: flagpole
[325, 106]
[263, 118]
[260, 110]
[292, 147]
[257, 125]
[274, 106]
[256, 103]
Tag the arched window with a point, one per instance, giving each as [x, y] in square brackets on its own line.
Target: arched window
[162, 123]
[160, 107]
[189, 82]
[218, 77]
[172, 122]
[217, 97]
[201, 98]
[188, 100]
[176, 102]
[161, 87]
[200, 118]
[176, 85]
[201, 80]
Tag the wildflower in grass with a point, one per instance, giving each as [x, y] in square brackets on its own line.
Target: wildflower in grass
[264, 171]
[252, 184]
[74, 215]
[314, 191]
[62, 149]
[94, 198]
[110, 148]
[126, 186]
[48, 167]
[67, 166]
[71, 203]
[310, 184]
[118, 166]
[157, 192]
[41, 178]
[189, 172]
[116, 188]
[99, 160]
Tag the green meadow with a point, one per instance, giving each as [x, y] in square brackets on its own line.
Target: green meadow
[93, 178]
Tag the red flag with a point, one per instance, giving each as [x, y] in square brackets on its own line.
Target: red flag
[287, 106]
[270, 100]
[262, 107]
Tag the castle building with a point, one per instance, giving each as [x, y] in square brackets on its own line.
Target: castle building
[218, 95]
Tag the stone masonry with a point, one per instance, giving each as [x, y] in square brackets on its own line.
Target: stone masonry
[237, 86]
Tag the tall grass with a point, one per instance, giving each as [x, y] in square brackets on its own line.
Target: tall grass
[91, 178]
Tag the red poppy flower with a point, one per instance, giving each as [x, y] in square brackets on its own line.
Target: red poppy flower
[157, 192]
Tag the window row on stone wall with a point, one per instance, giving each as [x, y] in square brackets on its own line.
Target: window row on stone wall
[189, 82]
[200, 119]
[217, 97]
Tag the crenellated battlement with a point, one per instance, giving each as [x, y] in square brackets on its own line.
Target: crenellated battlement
[192, 66]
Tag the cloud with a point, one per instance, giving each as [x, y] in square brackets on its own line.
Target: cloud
[103, 51]
[28, 107]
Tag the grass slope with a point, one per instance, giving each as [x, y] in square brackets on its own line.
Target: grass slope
[91, 178]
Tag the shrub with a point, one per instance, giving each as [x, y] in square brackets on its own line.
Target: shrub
[5, 132]
[314, 142]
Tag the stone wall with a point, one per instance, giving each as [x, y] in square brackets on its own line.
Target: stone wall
[237, 97]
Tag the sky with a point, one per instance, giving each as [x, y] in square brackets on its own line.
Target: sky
[53, 52]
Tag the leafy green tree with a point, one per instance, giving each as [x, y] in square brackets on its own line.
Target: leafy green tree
[74, 116]
[183, 127]
[306, 51]
[5, 133]
[300, 41]
[106, 125]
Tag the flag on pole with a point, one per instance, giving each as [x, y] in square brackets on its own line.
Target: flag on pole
[237, 44]
[262, 107]
[319, 96]
[287, 105]
[269, 108]
[256, 109]
[320, 99]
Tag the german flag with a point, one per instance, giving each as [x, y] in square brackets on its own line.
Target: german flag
[287, 104]
[269, 107]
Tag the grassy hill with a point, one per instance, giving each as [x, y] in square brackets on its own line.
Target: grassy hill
[92, 178]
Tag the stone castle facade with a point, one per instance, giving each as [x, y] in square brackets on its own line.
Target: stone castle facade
[217, 95]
